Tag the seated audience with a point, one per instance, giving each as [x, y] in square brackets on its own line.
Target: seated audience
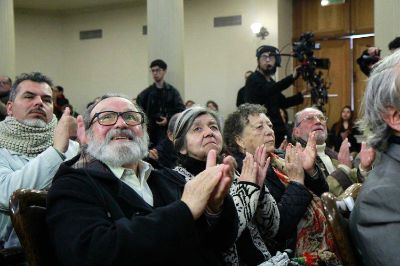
[59, 101]
[196, 134]
[295, 183]
[344, 128]
[336, 167]
[5, 88]
[213, 106]
[375, 219]
[32, 143]
[394, 45]
[189, 103]
[109, 207]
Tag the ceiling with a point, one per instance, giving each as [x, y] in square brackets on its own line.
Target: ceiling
[65, 5]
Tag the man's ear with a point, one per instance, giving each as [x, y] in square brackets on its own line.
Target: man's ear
[9, 108]
[392, 118]
[295, 132]
[81, 132]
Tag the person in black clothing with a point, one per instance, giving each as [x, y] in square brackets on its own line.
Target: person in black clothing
[262, 89]
[160, 102]
[240, 95]
[114, 209]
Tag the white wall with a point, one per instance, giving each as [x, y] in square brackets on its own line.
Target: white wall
[387, 23]
[215, 58]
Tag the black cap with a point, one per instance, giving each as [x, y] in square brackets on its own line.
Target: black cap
[271, 50]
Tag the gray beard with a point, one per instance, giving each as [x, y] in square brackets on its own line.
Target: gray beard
[118, 154]
[33, 122]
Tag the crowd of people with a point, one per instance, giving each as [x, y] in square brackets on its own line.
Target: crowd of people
[155, 181]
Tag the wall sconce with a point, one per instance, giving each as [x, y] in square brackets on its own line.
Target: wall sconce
[259, 30]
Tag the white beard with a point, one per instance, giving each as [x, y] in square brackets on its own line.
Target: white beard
[119, 154]
[33, 123]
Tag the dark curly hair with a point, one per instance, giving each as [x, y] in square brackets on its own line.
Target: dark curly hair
[34, 76]
[236, 122]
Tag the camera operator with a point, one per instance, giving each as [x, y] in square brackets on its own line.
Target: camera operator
[262, 89]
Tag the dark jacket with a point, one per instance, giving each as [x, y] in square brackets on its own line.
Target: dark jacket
[96, 219]
[269, 94]
[157, 102]
[292, 200]
[240, 97]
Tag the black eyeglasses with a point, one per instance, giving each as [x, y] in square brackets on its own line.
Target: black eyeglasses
[109, 118]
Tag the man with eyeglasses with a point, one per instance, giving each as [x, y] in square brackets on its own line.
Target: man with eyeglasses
[5, 87]
[160, 102]
[337, 167]
[109, 207]
[262, 89]
[33, 143]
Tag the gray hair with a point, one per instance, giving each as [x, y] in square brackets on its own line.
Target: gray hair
[236, 122]
[185, 121]
[297, 116]
[86, 114]
[383, 90]
[34, 76]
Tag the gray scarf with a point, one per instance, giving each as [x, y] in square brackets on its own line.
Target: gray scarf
[26, 140]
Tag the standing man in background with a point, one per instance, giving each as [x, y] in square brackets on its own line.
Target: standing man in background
[262, 89]
[160, 102]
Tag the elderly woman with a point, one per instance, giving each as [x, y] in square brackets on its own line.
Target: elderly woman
[196, 135]
[303, 227]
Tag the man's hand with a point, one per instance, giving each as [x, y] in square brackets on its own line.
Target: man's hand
[309, 153]
[296, 72]
[294, 164]
[367, 156]
[153, 154]
[163, 121]
[344, 153]
[65, 128]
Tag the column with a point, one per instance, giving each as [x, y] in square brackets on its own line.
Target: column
[7, 38]
[165, 38]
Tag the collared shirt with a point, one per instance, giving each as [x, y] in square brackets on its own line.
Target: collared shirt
[137, 183]
[325, 158]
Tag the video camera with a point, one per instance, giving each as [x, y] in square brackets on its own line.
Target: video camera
[303, 51]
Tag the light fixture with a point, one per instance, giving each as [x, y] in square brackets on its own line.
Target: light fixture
[259, 30]
[332, 2]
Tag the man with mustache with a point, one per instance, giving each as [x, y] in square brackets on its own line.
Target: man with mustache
[262, 89]
[109, 207]
[337, 167]
[32, 143]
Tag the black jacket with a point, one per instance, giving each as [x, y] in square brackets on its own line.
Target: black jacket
[292, 201]
[269, 94]
[96, 219]
[157, 102]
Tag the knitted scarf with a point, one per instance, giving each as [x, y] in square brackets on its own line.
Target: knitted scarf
[26, 140]
[314, 236]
